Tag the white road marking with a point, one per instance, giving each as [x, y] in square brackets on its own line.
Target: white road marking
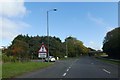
[67, 69]
[64, 74]
[106, 71]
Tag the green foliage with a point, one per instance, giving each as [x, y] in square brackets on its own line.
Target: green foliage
[111, 43]
[75, 47]
[20, 49]
[25, 47]
[0, 55]
[56, 47]
[6, 58]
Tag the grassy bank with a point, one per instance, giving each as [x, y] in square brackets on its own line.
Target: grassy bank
[0, 64]
[13, 69]
[109, 61]
[0, 70]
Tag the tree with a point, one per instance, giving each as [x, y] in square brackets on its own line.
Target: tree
[111, 44]
[56, 47]
[20, 49]
[24, 46]
[33, 44]
[75, 47]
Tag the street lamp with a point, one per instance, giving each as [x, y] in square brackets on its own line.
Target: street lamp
[66, 47]
[48, 28]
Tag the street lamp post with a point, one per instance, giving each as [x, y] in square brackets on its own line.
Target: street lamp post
[48, 28]
[66, 49]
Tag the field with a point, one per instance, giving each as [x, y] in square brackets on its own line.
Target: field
[13, 69]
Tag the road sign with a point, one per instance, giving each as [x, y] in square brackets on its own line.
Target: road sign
[42, 53]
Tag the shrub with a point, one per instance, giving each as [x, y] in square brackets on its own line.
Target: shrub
[6, 58]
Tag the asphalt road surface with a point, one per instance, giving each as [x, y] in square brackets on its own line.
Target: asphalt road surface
[83, 67]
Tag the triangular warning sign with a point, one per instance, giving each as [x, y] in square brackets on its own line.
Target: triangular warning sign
[43, 49]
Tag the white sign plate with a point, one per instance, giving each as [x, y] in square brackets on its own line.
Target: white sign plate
[42, 55]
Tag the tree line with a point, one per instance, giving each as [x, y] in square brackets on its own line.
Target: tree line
[111, 43]
[26, 47]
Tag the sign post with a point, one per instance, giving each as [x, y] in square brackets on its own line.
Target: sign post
[42, 53]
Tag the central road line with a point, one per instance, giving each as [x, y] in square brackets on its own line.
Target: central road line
[67, 69]
[106, 71]
[64, 74]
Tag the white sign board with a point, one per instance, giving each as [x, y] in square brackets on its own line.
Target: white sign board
[42, 52]
[42, 55]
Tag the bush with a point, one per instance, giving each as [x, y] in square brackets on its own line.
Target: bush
[12, 59]
[6, 58]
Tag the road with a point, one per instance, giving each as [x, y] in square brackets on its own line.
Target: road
[83, 67]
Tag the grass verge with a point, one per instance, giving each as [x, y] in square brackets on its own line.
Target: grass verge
[109, 61]
[0, 70]
[0, 64]
[10, 70]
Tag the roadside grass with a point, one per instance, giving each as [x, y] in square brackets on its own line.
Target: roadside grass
[109, 61]
[0, 70]
[10, 70]
[0, 64]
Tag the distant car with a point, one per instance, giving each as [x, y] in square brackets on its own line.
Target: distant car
[51, 59]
